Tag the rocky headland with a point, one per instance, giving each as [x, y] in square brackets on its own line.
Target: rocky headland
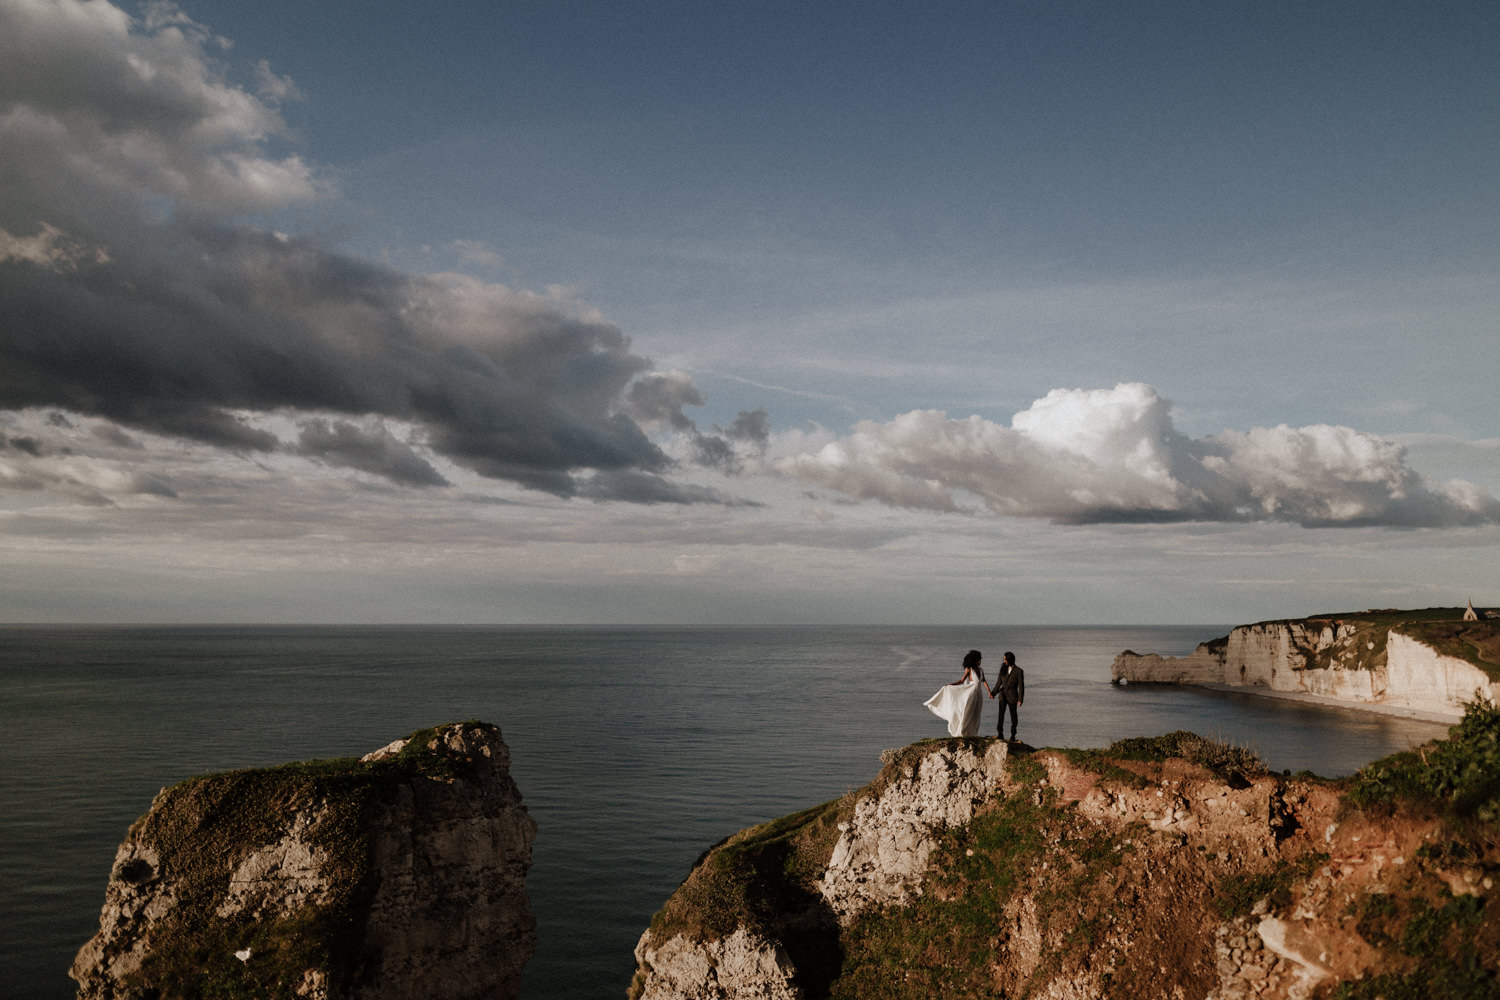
[397, 875]
[1428, 663]
[1167, 867]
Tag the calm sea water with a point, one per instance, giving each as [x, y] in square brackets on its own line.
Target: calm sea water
[635, 748]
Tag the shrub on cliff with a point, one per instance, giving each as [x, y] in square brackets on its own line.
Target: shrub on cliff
[1459, 775]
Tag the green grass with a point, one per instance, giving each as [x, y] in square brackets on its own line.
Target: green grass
[943, 943]
[1102, 763]
[1439, 938]
[1384, 617]
[1465, 980]
[752, 878]
[1226, 760]
[1236, 895]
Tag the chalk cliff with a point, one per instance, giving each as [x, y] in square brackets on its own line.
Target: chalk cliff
[1170, 867]
[1425, 666]
[397, 875]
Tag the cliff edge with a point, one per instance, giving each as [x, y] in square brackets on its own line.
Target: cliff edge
[1430, 663]
[396, 875]
[1169, 867]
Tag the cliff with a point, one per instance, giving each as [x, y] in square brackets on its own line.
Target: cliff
[1171, 867]
[1423, 662]
[396, 875]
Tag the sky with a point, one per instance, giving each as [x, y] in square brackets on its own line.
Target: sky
[681, 313]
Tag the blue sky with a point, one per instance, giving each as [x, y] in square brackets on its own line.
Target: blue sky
[747, 312]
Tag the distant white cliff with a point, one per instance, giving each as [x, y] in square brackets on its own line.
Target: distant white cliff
[1354, 660]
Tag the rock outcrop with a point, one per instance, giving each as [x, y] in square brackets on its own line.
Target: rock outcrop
[1162, 868]
[400, 874]
[884, 847]
[1358, 660]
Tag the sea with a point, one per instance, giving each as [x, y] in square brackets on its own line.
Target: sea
[635, 748]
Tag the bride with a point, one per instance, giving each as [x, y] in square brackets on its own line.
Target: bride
[959, 702]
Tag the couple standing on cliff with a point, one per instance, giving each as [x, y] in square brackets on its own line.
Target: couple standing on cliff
[960, 704]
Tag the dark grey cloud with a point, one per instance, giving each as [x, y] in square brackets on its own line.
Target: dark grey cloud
[29, 445]
[753, 426]
[724, 449]
[713, 452]
[186, 338]
[129, 292]
[658, 399]
[375, 450]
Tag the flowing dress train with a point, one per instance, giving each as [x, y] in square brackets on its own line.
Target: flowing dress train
[960, 705]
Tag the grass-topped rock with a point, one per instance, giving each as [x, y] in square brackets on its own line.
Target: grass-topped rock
[397, 874]
[1171, 866]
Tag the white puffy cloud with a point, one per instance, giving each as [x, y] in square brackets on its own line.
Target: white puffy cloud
[97, 108]
[1103, 455]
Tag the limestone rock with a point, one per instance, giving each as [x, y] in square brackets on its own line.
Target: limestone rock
[880, 858]
[401, 874]
[743, 966]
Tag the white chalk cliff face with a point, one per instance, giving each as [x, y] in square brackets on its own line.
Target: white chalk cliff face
[1348, 661]
[398, 875]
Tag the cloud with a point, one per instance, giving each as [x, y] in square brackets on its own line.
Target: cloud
[133, 292]
[753, 426]
[25, 467]
[1112, 455]
[476, 253]
[114, 110]
[657, 401]
[48, 248]
[27, 444]
[375, 450]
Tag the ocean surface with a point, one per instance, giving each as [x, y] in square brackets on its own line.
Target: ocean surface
[635, 748]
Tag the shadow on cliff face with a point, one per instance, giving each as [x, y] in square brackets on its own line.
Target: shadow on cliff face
[761, 880]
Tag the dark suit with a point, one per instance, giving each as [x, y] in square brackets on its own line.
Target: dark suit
[1011, 692]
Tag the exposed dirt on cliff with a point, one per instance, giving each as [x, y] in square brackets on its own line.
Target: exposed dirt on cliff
[1141, 873]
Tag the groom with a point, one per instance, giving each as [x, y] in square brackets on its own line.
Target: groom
[1011, 690]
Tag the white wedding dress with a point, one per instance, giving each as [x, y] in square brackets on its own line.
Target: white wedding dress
[960, 705]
